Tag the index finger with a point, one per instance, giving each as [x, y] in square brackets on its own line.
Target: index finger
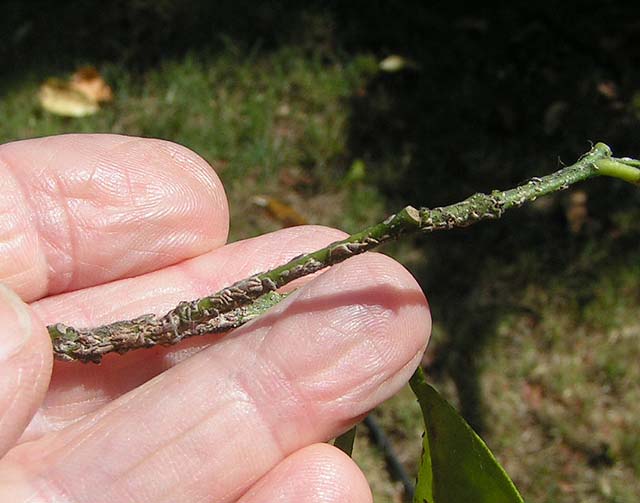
[81, 210]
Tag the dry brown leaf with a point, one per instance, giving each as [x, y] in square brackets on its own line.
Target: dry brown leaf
[280, 211]
[608, 89]
[89, 82]
[57, 97]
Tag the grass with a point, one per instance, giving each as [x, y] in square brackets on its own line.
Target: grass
[536, 330]
[257, 120]
[568, 379]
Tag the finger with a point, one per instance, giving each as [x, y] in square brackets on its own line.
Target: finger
[80, 210]
[25, 366]
[210, 427]
[78, 389]
[319, 473]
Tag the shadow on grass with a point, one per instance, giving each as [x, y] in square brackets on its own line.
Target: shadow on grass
[495, 94]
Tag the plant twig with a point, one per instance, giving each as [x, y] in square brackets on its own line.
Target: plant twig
[246, 299]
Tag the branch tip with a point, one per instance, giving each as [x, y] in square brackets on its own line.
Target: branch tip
[618, 168]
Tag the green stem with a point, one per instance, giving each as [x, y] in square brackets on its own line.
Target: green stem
[625, 169]
[246, 299]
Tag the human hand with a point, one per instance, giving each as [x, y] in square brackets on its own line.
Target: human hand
[96, 228]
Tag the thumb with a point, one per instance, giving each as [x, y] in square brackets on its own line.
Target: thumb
[25, 366]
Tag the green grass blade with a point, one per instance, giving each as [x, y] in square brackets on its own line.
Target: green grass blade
[456, 464]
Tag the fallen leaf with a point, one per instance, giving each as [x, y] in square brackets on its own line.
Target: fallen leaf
[280, 211]
[58, 98]
[89, 82]
[608, 89]
[395, 63]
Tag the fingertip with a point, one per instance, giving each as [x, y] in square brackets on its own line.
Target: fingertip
[206, 181]
[370, 319]
[394, 288]
[319, 473]
[179, 187]
[86, 209]
[391, 318]
[384, 272]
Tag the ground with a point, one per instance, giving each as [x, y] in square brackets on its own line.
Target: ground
[536, 333]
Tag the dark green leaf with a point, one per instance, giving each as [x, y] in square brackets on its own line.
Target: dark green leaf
[345, 441]
[456, 465]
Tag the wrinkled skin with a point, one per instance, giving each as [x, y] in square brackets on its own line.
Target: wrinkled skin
[96, 228]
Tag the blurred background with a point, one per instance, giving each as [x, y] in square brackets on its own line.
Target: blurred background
[338, 113]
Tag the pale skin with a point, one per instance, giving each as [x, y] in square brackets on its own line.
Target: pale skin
[96, 228]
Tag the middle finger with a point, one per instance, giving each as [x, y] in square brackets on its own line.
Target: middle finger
[77, 389]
